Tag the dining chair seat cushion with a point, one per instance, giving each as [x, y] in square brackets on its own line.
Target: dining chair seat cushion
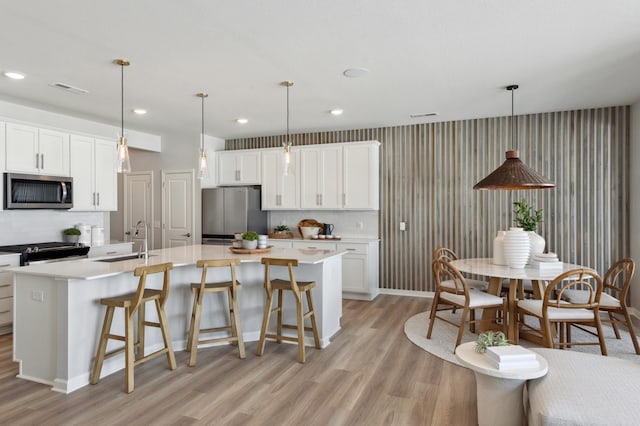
[534, 307]
[476, 299]
[475, 284]
[582, 296]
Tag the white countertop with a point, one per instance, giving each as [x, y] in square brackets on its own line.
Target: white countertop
[88, 269]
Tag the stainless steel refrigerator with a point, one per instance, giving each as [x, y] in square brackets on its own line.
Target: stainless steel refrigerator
[228, 210]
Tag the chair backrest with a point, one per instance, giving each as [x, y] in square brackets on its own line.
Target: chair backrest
[443, 252]
[575, 279]
[443, 271]
[289, 263]
[617, 280]
[217, 263]
[143, 272]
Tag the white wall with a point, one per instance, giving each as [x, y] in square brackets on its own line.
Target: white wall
[634, 201]
[41, 226]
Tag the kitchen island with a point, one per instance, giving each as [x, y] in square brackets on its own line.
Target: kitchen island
[58, 315]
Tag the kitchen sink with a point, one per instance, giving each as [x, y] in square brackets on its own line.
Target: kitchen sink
[118, 259]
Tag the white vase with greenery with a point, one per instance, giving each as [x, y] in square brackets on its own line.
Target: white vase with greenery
[528, 219]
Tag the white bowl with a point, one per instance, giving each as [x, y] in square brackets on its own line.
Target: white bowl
[309, 231]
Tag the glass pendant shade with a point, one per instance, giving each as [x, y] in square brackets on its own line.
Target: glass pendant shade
[203, 169]
[123, 164]
[287, 167]
[513, 174]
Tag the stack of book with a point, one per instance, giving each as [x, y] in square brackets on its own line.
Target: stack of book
[511, 357]
[546, 261]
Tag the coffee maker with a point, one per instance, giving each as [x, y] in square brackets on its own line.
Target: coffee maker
[327, 229]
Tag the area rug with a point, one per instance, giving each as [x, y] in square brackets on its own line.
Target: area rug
[443, 338]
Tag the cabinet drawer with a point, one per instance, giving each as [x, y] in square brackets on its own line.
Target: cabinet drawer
[6, 290]
[9, 261]
[111, 250]
[353, 248]
[6, 308]
[279, 243]
[314, 245]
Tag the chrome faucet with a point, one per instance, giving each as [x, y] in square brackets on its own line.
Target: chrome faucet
[143, 253]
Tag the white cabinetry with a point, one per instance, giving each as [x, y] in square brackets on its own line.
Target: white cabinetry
[280, 192]
[280, 243]
[6, 291]
[321, 177]
[360, 270]
[92, 165]
[361, 175]
[313, 245]
[33, 150]
[240, 167]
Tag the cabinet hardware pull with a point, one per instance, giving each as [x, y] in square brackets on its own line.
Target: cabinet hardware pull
[237, 174]
[5, 285]
[320, 199]
[42, 161]
[98, 198]
[112, 252]
[37, 161]
[4, 312]
[310, 247]
[350, 249]
[2, 266]
[344, 199]
[94, 199]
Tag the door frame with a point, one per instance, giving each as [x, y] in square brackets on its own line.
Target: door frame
[163, 174]
[125, 203]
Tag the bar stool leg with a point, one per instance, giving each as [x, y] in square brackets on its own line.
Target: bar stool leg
[194, 328]
[102, 346]
[191, 323]
[279, 327]
[236, 327]
[265, 323]
[314, 323]
[128, 350]
[139, 346]
[300, 321]
[164, 327]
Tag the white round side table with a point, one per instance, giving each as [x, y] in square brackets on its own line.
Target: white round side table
[499, 393]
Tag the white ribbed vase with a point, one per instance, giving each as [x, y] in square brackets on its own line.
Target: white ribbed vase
[536, 244]
[516, 248]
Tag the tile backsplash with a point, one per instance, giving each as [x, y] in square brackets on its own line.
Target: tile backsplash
[346, 223]
[39, 226]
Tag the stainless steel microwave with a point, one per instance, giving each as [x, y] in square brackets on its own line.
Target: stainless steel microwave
[22, 191]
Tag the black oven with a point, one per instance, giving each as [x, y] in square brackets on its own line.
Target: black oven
[22, 191]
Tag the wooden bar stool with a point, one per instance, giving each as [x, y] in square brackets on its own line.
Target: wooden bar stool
[132, 303]
[199, 290]
[298, 288]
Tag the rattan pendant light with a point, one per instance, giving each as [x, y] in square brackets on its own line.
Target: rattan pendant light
[513, 174]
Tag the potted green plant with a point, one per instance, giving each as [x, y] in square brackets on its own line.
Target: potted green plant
[281, 229]
[71, 235]
[249, 240]
[528, 219]
[490, 338]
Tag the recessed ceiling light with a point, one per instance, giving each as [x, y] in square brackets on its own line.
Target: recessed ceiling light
[355, 72]
[242, 120]
[14, 75]
[424, 114]
[140, 111]
[336, 111]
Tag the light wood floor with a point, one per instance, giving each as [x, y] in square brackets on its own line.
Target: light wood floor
[369, 375]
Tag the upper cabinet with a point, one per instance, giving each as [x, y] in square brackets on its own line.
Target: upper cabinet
[361, 175]
[280, 191]
[240, 167]
[33, 150]
[321, 177]
[93, 168]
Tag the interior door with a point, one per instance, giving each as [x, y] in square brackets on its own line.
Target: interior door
[177, 208]
[138, 205]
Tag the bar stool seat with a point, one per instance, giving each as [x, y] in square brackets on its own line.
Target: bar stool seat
[199, 290]
[298, 289]
[133, 303]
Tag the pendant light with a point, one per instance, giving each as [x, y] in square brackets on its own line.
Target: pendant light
[203, 170]
[286, 165]
[123, 164]
[513, 174]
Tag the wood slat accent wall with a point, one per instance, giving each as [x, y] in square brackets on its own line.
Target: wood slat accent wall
[427, 172]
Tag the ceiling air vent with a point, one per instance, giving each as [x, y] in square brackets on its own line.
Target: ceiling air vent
[424, 114]
[69, 88]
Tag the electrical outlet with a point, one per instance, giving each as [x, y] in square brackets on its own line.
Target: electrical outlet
[360, 225]
[403, 226]
[38, 296]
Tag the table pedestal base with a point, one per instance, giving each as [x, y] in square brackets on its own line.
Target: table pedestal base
[499, 401]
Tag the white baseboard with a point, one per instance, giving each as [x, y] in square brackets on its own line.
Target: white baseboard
[411, 293]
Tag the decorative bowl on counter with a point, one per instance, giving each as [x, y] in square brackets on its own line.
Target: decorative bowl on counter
[309, 231]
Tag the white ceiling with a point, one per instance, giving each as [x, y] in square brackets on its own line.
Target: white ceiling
[451, 57]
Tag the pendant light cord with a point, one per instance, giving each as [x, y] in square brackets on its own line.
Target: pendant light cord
[202, 137]
[122, 100]
[513, 127]
[288, 139]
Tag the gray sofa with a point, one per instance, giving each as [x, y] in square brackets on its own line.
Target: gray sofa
[584, 389]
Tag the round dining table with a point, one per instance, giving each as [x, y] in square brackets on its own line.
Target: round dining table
[497, 274]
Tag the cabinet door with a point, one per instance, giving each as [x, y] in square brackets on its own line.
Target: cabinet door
[249, 165]
[22, 148]
[228, 172]
[105, 175]
[331, 177]
[310, 178]
[279, 192]
[54, 152]
[239, 167]
[354, 273]
[81, 168]
[361, 176]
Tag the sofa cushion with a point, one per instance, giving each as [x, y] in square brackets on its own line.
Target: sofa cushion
[584, 389]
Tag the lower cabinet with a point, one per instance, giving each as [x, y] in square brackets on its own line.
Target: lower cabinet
[6, 291]
[360, 270]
